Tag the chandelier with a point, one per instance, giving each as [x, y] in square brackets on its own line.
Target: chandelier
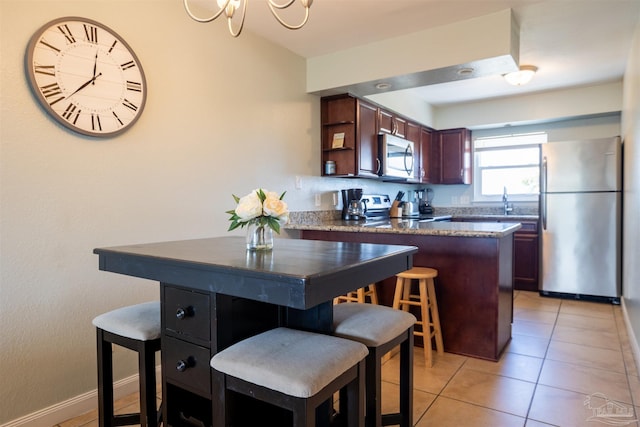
[230, 7]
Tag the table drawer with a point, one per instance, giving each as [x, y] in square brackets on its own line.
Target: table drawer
[187, 364]
[187, 313]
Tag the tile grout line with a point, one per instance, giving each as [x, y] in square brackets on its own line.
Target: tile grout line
[544, 360]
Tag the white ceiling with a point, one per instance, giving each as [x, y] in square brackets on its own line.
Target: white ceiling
[572, 42]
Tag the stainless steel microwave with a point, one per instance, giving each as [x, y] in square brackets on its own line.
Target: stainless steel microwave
[397, 157]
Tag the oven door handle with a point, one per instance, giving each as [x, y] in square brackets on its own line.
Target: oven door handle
[408, 154]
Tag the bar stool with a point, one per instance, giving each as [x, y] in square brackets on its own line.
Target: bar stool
[137, 328]
[381, 329]
[426, 300]
[292, 369]
[360, 295]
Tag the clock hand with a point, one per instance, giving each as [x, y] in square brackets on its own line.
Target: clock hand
[93, 79]
[95, 66]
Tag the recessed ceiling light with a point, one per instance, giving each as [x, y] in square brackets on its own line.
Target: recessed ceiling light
[383, 85]
[465, 72]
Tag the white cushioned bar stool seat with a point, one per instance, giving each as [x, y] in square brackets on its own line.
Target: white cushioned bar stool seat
[136, 327]
[292, 369]
[381, 329]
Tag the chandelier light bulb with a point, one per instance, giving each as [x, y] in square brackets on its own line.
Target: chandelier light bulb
[229, 6]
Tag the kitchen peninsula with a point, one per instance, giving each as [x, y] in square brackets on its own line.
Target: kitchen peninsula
[475, 272]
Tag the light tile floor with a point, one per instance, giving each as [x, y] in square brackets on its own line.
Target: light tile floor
[566, 359]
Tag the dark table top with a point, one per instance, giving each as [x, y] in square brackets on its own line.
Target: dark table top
[296, 273]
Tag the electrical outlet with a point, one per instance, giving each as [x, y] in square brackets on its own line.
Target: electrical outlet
[298, 183]
[318, 199]
[454, 200]
[464, 200]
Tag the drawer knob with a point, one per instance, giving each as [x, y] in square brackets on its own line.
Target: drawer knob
[183, 365]
[182, 313]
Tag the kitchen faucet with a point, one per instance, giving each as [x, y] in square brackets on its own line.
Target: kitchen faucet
[505, 200]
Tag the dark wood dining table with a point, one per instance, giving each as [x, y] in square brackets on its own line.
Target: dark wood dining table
[214, 292]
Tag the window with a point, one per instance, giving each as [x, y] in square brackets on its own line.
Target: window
[508, 162]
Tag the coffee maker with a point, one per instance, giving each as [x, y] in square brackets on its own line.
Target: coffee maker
[353, 207]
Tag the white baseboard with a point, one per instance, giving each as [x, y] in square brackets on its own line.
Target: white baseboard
[635, 348]
[75, 406]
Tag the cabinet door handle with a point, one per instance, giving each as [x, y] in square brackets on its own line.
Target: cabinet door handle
[378, 166]
[183, 313]
[183, 365]
[461, 173]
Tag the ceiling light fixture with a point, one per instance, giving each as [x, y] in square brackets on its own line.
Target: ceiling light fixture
[229, 7]
[383, 86]
[522, 76]
[465, 72]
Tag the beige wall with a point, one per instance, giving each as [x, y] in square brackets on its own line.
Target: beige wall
[631, 195]
[223, 116]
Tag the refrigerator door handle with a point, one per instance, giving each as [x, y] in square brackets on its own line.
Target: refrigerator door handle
[543, 193]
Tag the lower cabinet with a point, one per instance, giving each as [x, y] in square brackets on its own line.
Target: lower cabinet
[526, 257]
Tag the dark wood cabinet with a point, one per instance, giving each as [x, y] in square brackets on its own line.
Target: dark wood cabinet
[525, 257]
[426, 156]
[367, 140]
[391, 123]
[357, 121]
[414, 134]
[474, 285]
[525, 253]
[443, 157]
[451, 157]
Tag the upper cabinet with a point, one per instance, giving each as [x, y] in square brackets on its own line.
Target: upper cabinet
[349, 136]
[413, 134]
[427, 174]
[350, 129]
[392, 123]
[451, 155]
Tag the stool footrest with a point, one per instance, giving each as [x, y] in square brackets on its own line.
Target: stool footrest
[126, 419]
[391, 419]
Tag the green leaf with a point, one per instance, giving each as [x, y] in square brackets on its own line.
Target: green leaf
[274, 224]
[261, 195]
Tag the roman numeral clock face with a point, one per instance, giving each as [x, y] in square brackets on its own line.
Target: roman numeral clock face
[86, 76]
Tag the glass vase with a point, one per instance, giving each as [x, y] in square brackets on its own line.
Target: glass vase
[259, 237]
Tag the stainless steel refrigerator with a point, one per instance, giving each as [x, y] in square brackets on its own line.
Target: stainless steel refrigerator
[580, 215]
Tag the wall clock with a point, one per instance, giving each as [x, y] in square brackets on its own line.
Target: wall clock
[86, 76]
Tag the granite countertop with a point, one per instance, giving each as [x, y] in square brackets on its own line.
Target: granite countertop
[496, 217]
[492, 228]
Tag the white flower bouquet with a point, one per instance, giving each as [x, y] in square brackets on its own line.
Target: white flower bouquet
[260, 207]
